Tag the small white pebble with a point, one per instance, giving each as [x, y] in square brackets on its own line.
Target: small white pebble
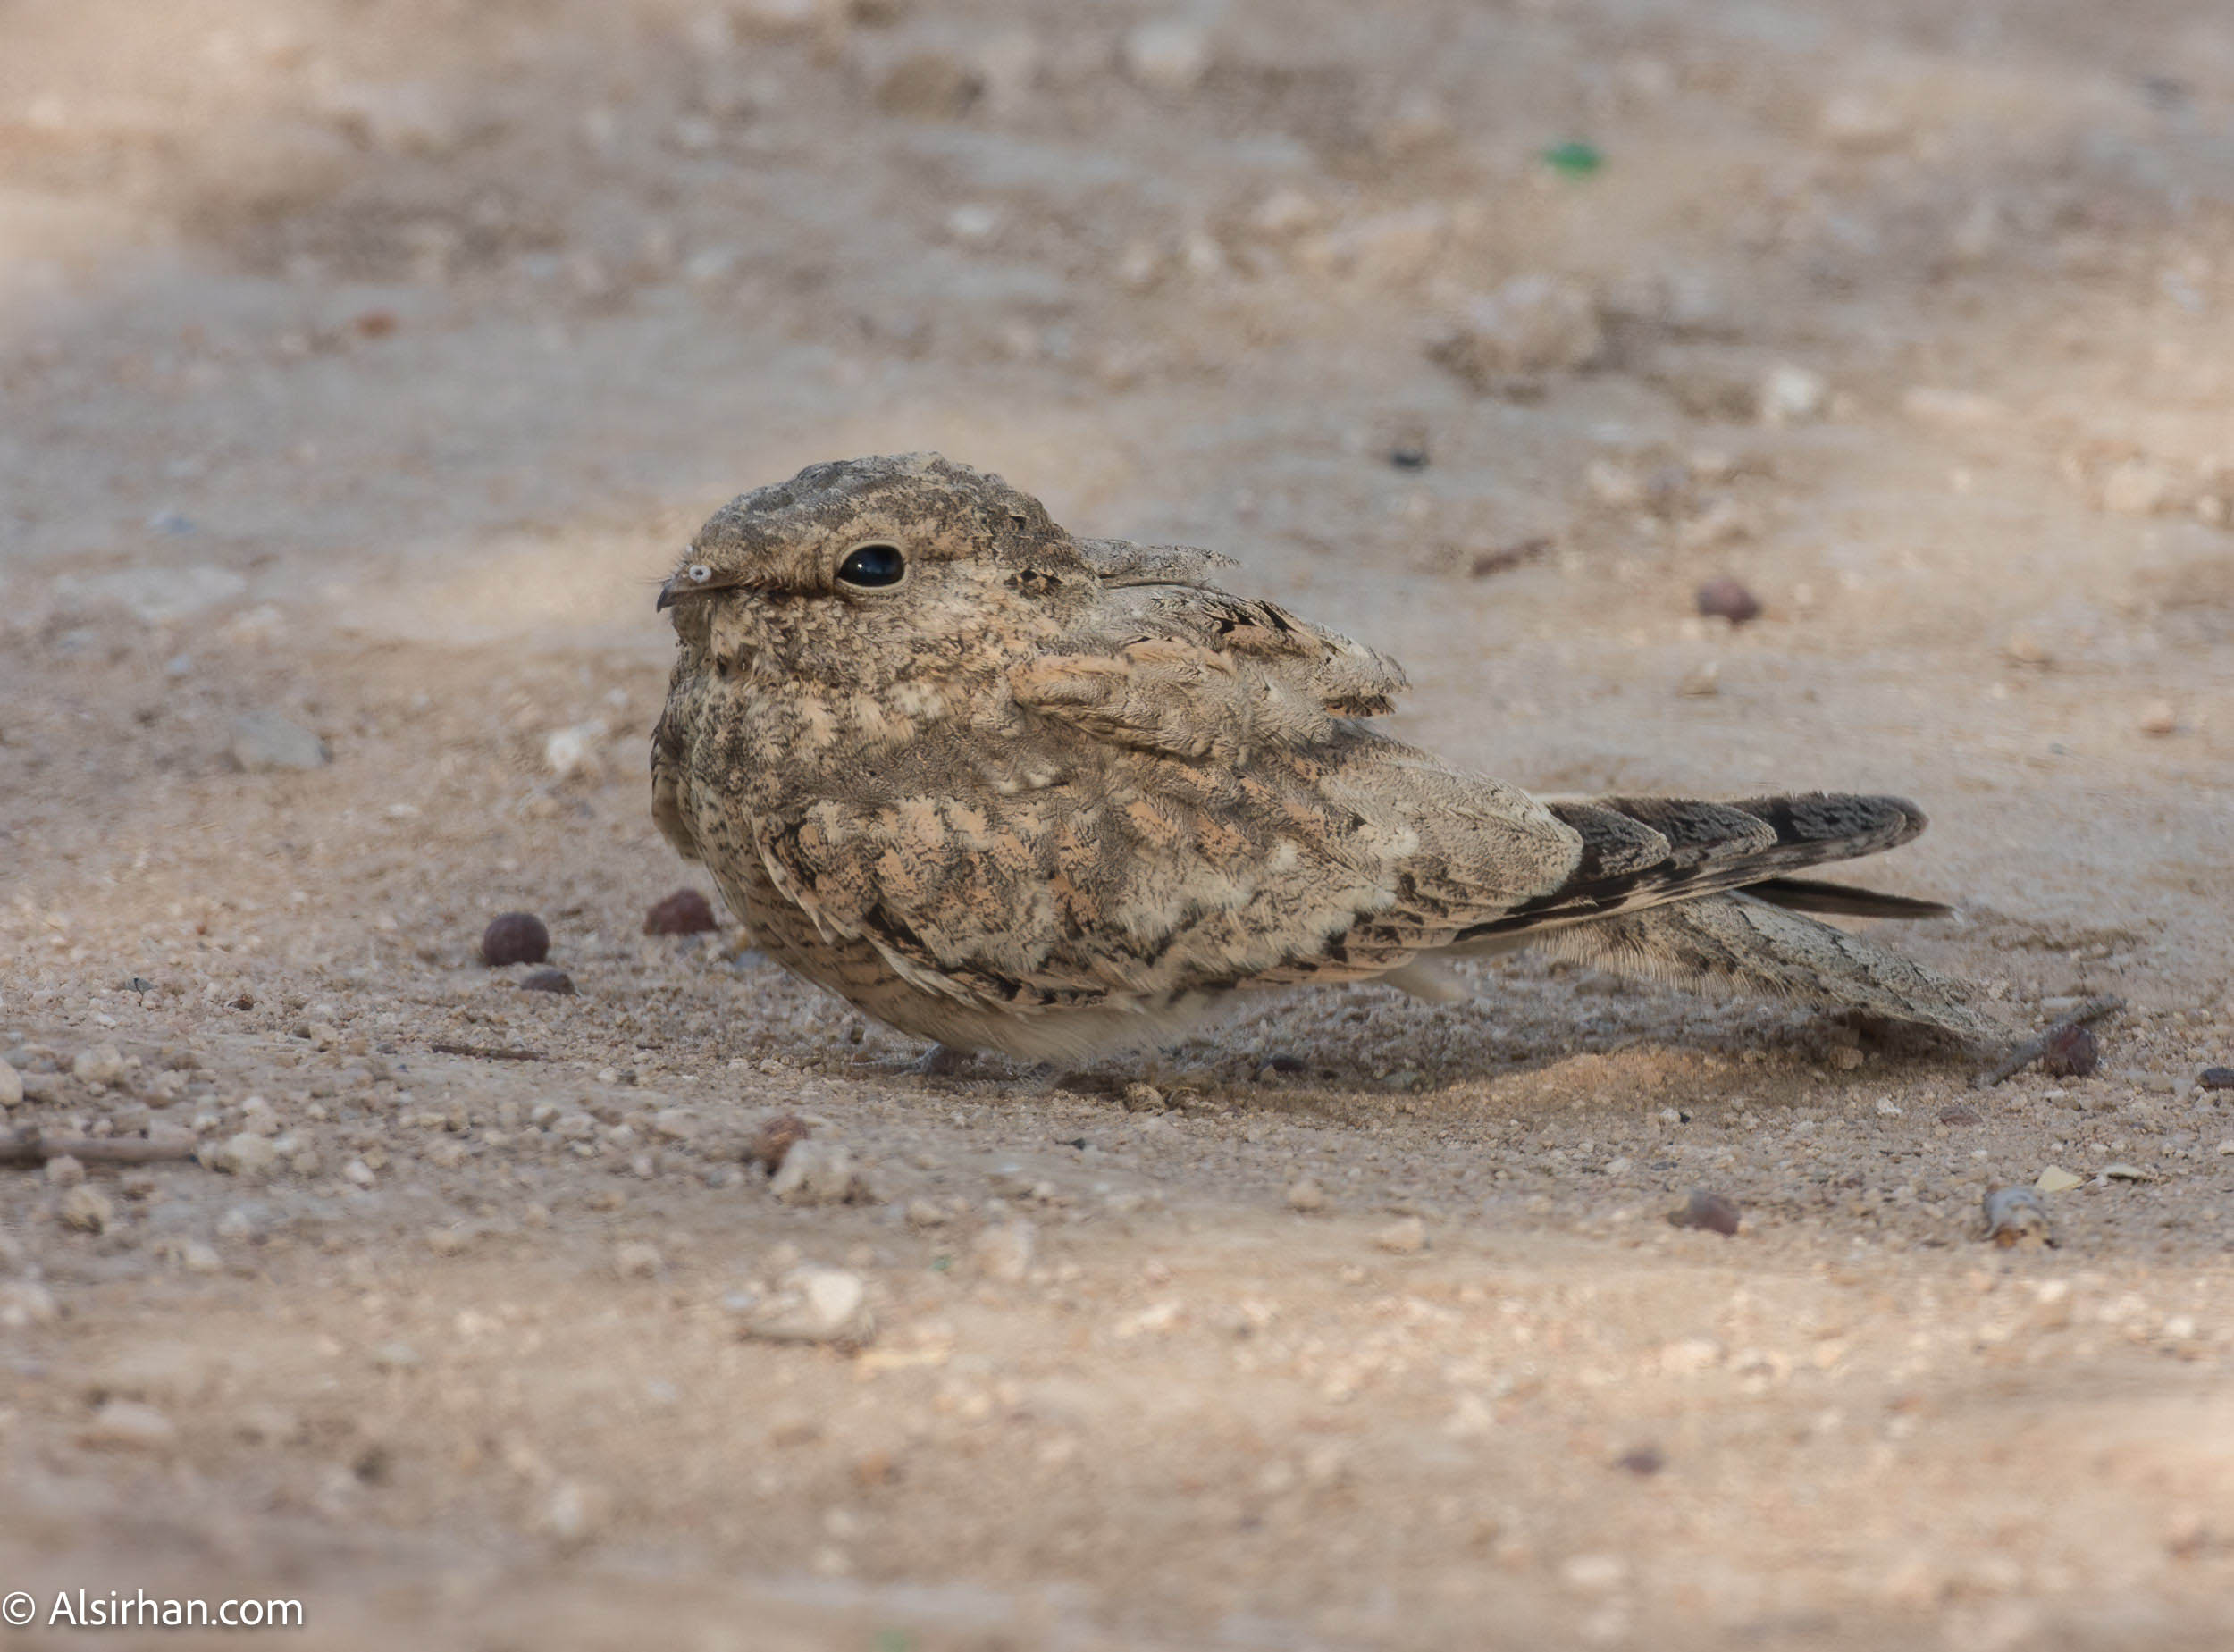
[88, 1210]
[1005, 1253]
[128, 1425]
[815, 1304]
[1593, 1574]
[101, 1065]
[24, 1303]
[1170, 55]
[1405, 1237]
[573, 752]
[573, 1511]
[1790, 394]
[973, 221]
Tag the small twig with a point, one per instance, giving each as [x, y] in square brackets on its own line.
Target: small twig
[488, 1052]
[2025, 1054]
[28, 1146]
[1508, 558]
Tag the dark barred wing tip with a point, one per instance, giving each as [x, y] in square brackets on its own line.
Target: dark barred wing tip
[1646, 851]
[1827, 818]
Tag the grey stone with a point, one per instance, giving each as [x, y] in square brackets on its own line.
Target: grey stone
[264, 741]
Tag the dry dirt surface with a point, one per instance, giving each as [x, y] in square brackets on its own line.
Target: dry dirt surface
[364, 362]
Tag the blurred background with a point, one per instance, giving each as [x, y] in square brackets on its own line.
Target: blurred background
[1697, 395]
[1496, 332]
[1499, 328]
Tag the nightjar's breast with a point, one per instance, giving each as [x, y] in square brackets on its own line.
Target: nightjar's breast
[739, 741]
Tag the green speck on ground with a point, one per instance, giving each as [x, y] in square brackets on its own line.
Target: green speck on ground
[1575, 158]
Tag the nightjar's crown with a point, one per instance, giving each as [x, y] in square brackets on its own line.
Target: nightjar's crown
[862, 525]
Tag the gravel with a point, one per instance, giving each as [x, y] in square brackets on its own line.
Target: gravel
[246, 1154]
[820, 1173]
[814, 1304]
[2015, 1216]
[1005, 1252]
[86, 1209]
[1404, 1236]
[773, 1141]
[102, 1066]
[128, 1425]
[1714, 1212]
[266, 743]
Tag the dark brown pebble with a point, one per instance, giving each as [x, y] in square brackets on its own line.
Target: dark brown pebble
[1726, 598]
[1717, 1212]
[514, 938]
[548, 981]
[684, 912]
[1644, 1459]
[375, 324]
[2072, 1052]
[1957, 1115]
[2217, 1079]
[773, 1141]
[929, 86]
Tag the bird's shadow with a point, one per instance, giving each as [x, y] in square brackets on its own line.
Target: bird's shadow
[1328, 1051]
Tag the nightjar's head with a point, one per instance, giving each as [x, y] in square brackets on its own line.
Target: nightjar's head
[872, 569]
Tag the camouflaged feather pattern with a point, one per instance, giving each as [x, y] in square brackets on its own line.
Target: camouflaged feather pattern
[1046, 795]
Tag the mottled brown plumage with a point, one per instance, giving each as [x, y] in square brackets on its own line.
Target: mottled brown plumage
[1004, 788]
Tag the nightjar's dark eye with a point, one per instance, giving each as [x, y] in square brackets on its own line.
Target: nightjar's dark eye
[873, 566]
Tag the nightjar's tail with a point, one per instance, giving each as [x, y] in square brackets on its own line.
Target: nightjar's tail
[1735, 943]
[1646, 851]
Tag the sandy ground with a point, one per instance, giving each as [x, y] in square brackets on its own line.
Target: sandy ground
[363, 364]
